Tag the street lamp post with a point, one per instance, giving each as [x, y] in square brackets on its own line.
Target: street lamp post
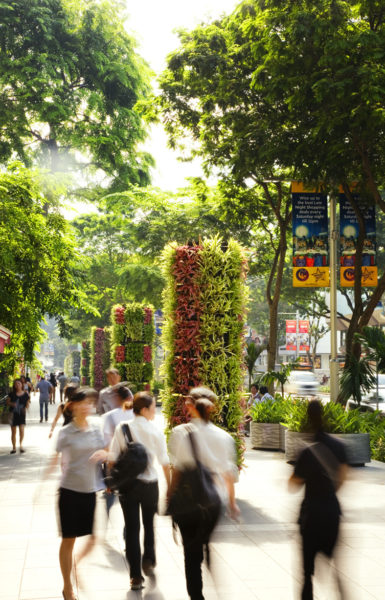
[334, 383]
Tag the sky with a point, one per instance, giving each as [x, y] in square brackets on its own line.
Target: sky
[153, 24]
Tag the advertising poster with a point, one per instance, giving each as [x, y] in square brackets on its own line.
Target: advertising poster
[349, 230]
[291, 334]
[310, 237]
[303, 333]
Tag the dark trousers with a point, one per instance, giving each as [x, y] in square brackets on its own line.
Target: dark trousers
[44, 404]
[318, 535]
[143, 497]
[195, 534]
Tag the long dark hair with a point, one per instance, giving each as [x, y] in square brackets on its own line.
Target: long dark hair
[142, 400]
[315, 416]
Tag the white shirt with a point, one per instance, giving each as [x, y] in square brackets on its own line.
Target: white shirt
[111, 419]
[144, 432]
[215, 448]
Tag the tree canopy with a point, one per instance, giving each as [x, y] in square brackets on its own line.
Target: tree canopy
[39, 265]
[70, 83]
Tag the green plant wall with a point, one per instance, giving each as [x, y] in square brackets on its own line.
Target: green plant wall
[99, 356]
[85, 363]
[204, 318]
[133, 334]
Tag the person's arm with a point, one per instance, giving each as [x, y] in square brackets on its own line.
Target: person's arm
[59, 413]
[295, 483]
[233, 506]
[10, 402]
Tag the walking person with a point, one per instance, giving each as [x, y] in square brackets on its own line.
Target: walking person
[143, 495]
[18, 403]
[45, 388]
[64, 408]
[79, 443]
[107, 397]
[53, 382]
[27, 385]
[321, 468]
[200, 440]
[63, 380]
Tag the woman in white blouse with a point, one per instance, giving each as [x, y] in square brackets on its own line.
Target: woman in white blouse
[144, 493]
[216, 451]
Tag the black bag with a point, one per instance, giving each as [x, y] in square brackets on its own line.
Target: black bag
[132, 462]
[195, 493]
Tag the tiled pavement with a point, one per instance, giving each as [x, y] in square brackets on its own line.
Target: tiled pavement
[255, 559]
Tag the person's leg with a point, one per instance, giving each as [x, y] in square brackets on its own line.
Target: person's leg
[46, 410]
[65, 558]
[193, 557]
[149, 505]
[41, 410]
[21, 435]
[130, 506]
[309, 551]
[61, 395]
[13, 437]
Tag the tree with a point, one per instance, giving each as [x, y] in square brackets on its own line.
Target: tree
[70, 82]
[38, 262]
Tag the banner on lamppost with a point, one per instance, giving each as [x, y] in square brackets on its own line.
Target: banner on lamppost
[291, 334]
[303, 334]
[310, 237]
[349, 230]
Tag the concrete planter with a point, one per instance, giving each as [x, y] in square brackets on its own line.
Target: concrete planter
[265, 435]
[357, 445]
[295, 442]
[282, 437]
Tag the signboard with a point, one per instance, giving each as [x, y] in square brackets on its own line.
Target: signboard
[291, 335]
[303, 332]
[310, 237]
[349, 230]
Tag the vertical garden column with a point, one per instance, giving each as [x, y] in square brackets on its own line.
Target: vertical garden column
[100, 356]
[132, 341]
[85, 363]
[204, 316]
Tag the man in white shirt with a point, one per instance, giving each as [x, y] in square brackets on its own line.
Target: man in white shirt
[107, 396]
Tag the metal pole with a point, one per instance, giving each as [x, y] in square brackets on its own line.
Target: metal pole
[334, 383]
[297, 332]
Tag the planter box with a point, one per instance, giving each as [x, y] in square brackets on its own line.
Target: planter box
[265, 435]
[295, 442]
[282, 437]
[357, 445]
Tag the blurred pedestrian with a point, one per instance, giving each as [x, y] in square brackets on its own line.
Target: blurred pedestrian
[255, 395]
[53, 382]
[107, 397]
[111, 419]
[27, 385]
[200, 440]
[79, 442]
[64, 408]
[75, 378]
[321, 467]
[18, 403]
[63, 380]
[143, 494]
[45, 388]
[264, 394]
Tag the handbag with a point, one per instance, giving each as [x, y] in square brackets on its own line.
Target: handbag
[132, 461]
[195, 493]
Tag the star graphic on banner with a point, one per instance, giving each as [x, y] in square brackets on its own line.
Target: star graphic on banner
[318, 275]
[366, 275]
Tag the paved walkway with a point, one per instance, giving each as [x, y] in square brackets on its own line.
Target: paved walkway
[255, 559]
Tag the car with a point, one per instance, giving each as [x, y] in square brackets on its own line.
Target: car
[302, 383]
[370, 398]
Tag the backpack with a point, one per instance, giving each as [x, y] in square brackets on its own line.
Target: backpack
[195, 492]
[132, 461]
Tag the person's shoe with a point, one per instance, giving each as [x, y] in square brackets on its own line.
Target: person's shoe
[13, 451]
[41, 420]
[22, 450]
[46, 419]
[137, 583]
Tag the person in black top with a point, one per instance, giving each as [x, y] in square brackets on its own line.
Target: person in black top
[321, 467]
[53, 382]
[18, 402]
[64, 409]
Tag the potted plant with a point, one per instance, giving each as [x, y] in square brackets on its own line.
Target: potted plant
[266, 431]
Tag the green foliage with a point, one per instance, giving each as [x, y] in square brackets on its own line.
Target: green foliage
[85, 363]
[280, 377]
[253, 351]
[372, 340]
[70, 80]
[270, 411]
[357, 376]
[38, 261]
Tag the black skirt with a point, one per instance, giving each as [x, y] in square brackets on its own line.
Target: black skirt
[17, 419]
[76, 512]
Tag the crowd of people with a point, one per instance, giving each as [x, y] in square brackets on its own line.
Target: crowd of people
[199, 454]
